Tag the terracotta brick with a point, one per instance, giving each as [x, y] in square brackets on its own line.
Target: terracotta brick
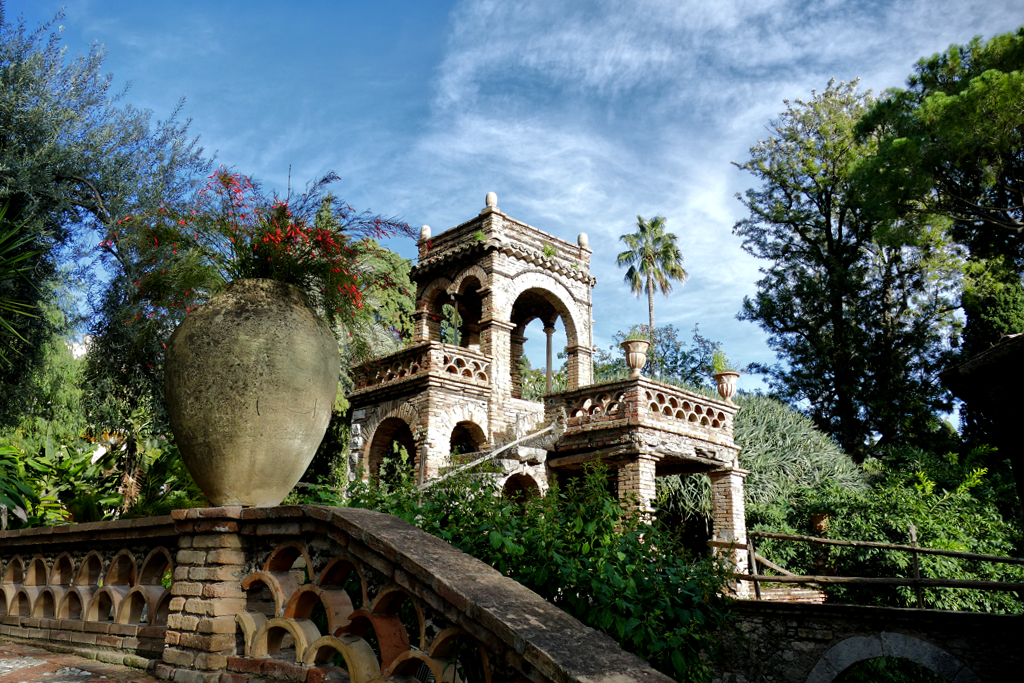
[177, 604]
[216, 526]
[182, 622]
[97, 626]
[223, 590]
[221, 573]
[163, 671]
[180, 573]
[216, 625]
[178, 657]
[171, 638]
[105, 640]
[187, 676]
[191, 557]
[217, 541]
[244, 665]
[189, 588]
[83, 638]
[226, 606]
[210, 661]
[207, 643]
[226, 556]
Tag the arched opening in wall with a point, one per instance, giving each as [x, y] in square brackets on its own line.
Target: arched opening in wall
[71, 607]
[393, 451]
[45, 607]
[893, 669]
[469, 305]
[520, 488]
[538, 316]
[467, 437]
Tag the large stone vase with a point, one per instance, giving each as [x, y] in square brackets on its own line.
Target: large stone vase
[250, 381]
[636, 355]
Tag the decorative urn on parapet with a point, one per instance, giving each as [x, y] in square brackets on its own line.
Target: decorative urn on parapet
[725, 375]
[636, 345]
[251, 372]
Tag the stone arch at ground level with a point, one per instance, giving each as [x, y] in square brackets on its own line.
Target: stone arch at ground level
[815, 643]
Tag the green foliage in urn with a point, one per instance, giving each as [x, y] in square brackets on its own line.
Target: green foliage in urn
[637, 333]
[232, 230]
[721, 363]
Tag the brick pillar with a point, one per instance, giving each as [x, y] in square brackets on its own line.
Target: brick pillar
[581, 366]
[515, 353]
[496, 341]
[729, 523]
[636, 479]
[421, 325]
[207, 594]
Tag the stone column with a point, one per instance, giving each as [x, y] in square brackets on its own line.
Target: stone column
[729, 521]
[636, 479]
[581, 369]
[207, 595]
[549, 330]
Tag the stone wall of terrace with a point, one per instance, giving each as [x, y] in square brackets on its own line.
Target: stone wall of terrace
[643, 414]
[419, 360]
[98, 587]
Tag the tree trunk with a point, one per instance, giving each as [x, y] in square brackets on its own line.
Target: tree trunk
[650, 302]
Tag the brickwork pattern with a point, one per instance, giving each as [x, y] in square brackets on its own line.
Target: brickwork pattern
[90, 587]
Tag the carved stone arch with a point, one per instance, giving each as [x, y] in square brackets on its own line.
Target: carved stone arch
[63, 571]
[401, 410]
[472, 271]
[521, 484]
[472, 413]
[436, 286]
[561, 299]
[845, 654]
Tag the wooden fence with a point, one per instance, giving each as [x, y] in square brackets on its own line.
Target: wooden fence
[917, 582]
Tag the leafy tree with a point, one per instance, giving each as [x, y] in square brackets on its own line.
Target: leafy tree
[858, 308]
[675, 361]
[74, 157]
[952, 142]
[653, 260]
[784, 452]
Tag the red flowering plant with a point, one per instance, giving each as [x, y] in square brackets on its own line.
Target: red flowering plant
[181, 257]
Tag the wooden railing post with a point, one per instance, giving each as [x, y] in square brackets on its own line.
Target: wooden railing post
[917, 567]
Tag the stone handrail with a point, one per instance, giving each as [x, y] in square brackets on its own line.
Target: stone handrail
[293, 593]
[427, 358]
[313, 588]
[96, 586]
[644, 401]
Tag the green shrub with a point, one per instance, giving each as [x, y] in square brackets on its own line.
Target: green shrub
[579, 549]
[783, 451]
[950, 518]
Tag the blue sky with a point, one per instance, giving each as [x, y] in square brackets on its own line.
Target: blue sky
[579, 115]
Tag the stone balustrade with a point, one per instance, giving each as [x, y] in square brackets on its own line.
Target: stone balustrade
[645, 402]
[97, 586]
[422, 360]
[303, 593]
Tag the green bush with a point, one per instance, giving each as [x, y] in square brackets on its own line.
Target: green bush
[949, 517]
[579, 549]
[783, 451]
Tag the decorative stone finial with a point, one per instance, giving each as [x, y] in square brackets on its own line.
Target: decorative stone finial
[583, 240]
[492, 200]
[425, 232]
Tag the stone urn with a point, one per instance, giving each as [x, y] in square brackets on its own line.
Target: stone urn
[726, 384]
[250, 379]
[636, 355]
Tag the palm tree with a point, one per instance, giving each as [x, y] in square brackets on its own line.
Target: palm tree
[653, 258]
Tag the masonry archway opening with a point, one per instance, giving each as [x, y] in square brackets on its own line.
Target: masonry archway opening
[889, 669]
[469, 304]
[467, 437]
[520, 488]
[392, 451]
[540, 335]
